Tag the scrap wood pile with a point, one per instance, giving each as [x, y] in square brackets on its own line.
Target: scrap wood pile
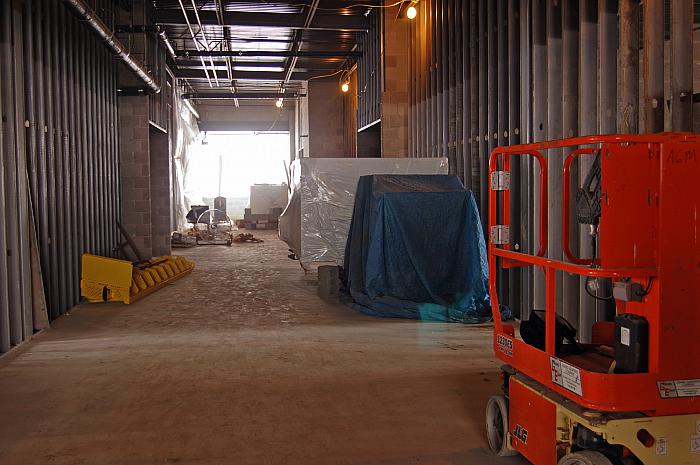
[247, 238]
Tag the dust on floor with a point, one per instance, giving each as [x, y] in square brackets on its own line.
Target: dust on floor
[241, 363]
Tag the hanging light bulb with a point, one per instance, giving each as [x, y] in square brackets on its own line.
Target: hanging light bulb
[411, 12]
[345, 87]
[278, 103]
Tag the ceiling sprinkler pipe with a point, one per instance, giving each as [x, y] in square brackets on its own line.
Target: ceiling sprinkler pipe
[89, 16]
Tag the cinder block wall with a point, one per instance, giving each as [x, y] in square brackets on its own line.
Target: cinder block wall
[161, 190]
[145, 175]
[394, 108]
[326, 119]
[134, 161]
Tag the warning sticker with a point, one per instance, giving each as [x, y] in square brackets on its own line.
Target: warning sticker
[695, 443]
[662, 446]
[679, 388]
[566, 376]
[625, 336]
[505, 344]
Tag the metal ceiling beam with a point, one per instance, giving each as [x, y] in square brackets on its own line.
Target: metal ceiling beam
[271, 53]
[278, 65]
[241, 95]
[296, 45]
[242, 75]
[323, 20]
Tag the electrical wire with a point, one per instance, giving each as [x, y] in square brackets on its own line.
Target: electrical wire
[326, 75]
[647, 289]
[588, 291]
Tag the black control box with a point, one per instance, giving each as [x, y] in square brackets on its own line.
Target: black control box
[631, 343]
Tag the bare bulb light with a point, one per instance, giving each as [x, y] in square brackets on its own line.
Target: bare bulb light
[345, 87]
[278, 103]
[411, 12]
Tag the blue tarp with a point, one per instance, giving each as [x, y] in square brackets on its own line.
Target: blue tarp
[416, 250]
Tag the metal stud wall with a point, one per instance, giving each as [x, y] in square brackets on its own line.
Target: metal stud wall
[58, 158]
[369, 73]
[497, 72]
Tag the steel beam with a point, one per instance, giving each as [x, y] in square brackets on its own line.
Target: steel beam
[323, 20]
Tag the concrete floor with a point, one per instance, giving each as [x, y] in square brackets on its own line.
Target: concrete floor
[240, 363]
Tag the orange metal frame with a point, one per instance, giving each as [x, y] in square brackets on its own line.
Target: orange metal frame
[665, 178]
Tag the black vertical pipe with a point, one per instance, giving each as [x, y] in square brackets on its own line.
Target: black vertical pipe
[492, 82]
[411, 90]
[628, 112]
[500, 112]
[607, 109]
[71, 163]
[90, 147]
[435, 78]
[570, 60]
[10, 146]
[607, 29]
[445, 88]
[79, 104]
[59, 135]
[475, 77]
[439, 61]
[588, 124]
[682, 65]
[483, 136]
[554, 131]
[99, 152]
[115, 151]
[24, 308]
[527, 165]
[41, 209]
[69, 287]
[456, 81]
[50, 66]
[31, 130]
[5, 324]
[653, 66]
[514, 78]
[539, 108]
[84, 141]
[466, 83]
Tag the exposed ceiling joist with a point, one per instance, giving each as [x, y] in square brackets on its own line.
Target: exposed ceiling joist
[242, 75]
[241, 95]
[270, 53]
[322, 21]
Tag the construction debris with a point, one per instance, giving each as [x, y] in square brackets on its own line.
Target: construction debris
[249, 238]
[179, 240]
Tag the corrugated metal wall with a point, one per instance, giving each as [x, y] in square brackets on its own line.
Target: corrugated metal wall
[59, 157]
[487, 73]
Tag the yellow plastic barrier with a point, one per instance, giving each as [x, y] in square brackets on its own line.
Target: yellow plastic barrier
[107, 279]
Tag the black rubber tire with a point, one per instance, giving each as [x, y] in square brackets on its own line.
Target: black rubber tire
[585, 457]
[497, 427]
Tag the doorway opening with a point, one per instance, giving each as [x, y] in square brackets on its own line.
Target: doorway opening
[227, 164]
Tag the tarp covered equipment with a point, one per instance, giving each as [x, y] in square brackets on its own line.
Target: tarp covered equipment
[416, 249]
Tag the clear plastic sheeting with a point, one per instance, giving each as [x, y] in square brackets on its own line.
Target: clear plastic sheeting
[185, 134]
[316, 222]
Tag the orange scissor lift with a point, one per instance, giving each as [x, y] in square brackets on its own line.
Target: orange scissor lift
[570, 409]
